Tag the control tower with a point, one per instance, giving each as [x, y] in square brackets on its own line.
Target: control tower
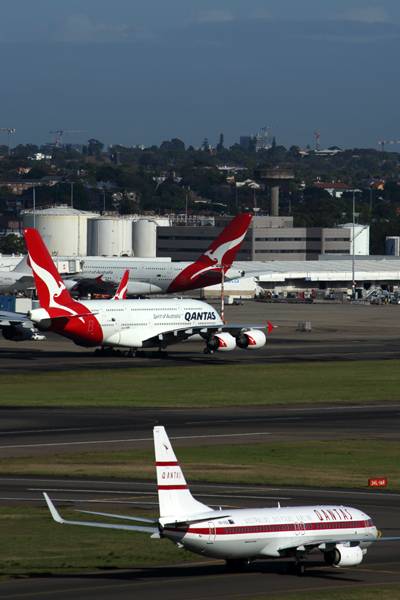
[274, 178]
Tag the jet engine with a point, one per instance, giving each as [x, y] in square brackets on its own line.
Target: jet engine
[343, 556]
[19, 333]
[252, 339]
[221, 342]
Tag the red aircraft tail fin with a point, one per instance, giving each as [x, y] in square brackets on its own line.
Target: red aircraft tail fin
[224, 248]
[50, 287]
[120, 294]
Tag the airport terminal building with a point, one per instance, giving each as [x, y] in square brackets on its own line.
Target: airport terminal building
[268, 238]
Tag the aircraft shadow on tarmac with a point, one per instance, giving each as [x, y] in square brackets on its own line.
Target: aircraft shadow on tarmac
[314, 570]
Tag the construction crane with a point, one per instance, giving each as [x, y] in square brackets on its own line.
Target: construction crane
[10, 131]
[268, 127]
[62, 131]
[383, 144]
[317, 134]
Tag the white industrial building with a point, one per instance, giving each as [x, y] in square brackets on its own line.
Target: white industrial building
[68, 228]
[80, 233]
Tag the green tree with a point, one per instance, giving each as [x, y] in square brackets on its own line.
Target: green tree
[12, 244]
[95, 147]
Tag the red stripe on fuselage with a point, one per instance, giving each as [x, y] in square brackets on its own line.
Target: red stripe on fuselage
[296, 528]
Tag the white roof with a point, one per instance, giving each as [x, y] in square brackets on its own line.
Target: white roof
[320, 270]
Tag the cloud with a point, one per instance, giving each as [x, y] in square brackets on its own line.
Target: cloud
[366, 14]
[260, 14]
[211, 16]
[80, 28]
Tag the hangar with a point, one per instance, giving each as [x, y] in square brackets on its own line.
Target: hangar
[330, 275]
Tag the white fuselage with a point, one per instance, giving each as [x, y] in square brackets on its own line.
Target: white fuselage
[269, 532]
[130, 323]
[11, 282]
[146, 277]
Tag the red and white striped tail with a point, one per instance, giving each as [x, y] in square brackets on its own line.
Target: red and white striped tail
[174, 496]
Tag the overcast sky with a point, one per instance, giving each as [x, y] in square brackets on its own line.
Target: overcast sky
[145, 71]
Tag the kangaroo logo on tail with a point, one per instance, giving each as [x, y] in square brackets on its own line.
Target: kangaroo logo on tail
[217, 255]
[54, 288]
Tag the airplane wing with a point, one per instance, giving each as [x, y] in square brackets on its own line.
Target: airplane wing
[184, 333]
[17, 327]
[56, 516]
[83, 286]
[27, 280]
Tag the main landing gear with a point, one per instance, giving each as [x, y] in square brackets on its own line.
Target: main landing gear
[208, 351]
[107, 352]
[131, 353]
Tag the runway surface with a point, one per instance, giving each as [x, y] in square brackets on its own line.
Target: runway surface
[42, 431]
[342, 332]
[339, 332]
[202, 578]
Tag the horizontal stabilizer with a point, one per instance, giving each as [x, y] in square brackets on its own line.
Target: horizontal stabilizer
[56, 516]
[89, 512]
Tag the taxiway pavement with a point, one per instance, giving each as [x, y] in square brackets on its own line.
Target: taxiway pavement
[343, 332]
[203, 578]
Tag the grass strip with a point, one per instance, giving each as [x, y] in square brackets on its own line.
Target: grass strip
[32, 544]
[321, 463]
[215, 385]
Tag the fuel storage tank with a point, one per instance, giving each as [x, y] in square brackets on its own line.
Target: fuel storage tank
[67, 227]
[110, 236]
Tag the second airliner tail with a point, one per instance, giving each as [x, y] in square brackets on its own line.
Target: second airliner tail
[121, 292]
[174, 496]
[224, 248]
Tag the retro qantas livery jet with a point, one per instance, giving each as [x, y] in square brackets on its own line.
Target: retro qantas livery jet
[101, 275]
[341, 533]
[129, 324]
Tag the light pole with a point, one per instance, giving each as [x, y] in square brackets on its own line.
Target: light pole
[34, 208]
[222, 267]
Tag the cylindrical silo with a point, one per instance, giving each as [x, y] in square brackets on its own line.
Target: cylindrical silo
[110, 236]
[67, 227]
[144, 238]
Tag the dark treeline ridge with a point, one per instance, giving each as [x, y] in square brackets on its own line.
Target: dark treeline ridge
[170, 177]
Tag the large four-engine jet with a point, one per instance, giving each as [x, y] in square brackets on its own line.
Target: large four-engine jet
[341, 533]
[17, 327]
[21, 277]
[102, 275]
[129, 324]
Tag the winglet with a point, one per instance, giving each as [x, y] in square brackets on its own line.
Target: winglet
[270, 326]
[53, 510]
